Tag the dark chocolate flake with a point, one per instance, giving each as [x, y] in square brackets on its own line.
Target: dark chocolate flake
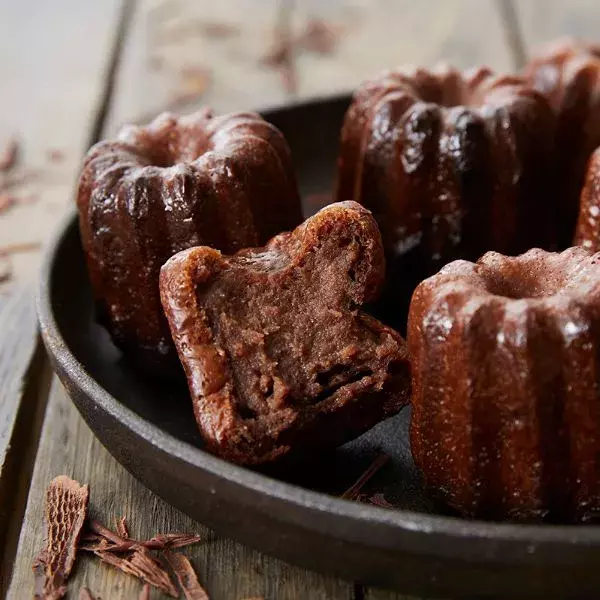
[65, 513]
[9, 155]
[353, 492]
[186, 576]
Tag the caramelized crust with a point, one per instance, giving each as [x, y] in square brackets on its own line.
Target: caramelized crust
[506, 384]
[587, 233]
[223, 181]
[568, 73]
[451, 164]
[279, 357]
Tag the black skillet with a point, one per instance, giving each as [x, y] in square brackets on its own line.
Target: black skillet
[418, 548]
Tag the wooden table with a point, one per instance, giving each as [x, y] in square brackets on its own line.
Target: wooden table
[71, 72]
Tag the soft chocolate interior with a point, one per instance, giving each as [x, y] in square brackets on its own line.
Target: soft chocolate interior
[292, 331]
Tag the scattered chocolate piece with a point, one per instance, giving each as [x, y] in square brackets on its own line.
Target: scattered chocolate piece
[186, 576]
[7, 201]
[55, 155]
[279, 356]
[103, 539]
[19, 248]
[9, 155]
[122, 528]
[318, 36]
[145, 593]
[6, 271]
[280, 56]
[85, 594]
[172, 540]
[379, 500]
[65, 513]
[141, 564]
[353, 492]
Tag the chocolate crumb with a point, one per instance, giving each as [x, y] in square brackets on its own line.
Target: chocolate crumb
[353, 492]
[85, 594]
[9, 155]
[145, 593]
[318, 36]
[141, 564]
[186, 576]
[7, 201]
[65, 513]
[55, 155]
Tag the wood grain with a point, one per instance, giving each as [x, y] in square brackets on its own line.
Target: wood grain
[55, 57]
[226, 569]
[23, 395]
[373, 36]
[54, 61]
[542, 21]
[181, 54]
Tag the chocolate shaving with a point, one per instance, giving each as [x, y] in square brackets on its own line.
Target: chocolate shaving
[379, 500]
[141, 564]
[353, 492]
[122, 528]
[281, 55]
[7, 201]
[186, 576]
[103, 539]
[318, 36]
[145, 593]
[6, 271]
[18, 248]
[65, 513]
[8, 155]
[55, 155]
[85, 594]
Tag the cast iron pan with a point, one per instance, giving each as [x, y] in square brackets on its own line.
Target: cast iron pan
[420, 548]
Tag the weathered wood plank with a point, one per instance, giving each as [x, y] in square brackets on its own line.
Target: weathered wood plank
[542, 21]
[54, 60]
[23, 395]
[226, 569]
[55, 56]
[181, 54]
[369, 37]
